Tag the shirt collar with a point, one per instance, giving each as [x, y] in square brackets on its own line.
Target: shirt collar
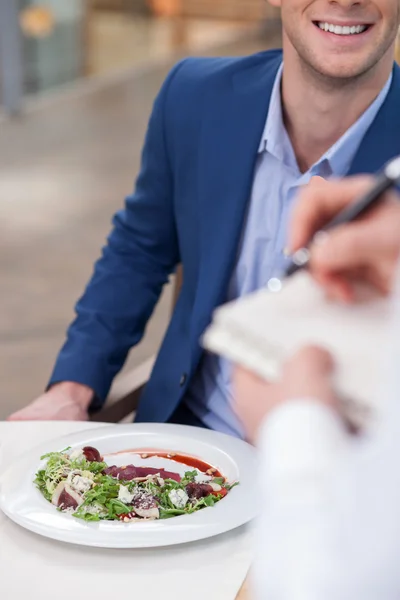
[337, 159]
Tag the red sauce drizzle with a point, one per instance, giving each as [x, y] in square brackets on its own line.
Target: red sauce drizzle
[190, 461]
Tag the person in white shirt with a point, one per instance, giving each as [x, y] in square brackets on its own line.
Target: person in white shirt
[330, 527]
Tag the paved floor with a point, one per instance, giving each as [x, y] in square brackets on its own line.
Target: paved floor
[64, 170]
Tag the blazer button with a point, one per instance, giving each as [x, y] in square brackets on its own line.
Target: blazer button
[183, 379]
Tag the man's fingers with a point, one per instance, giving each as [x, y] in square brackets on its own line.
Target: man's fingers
[347, 247]
[310, 360]
[21, 416]
[318, 356]
[319, 202]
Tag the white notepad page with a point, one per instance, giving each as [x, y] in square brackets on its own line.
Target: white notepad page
[262, 329]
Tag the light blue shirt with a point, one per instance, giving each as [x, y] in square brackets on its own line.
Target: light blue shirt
[277, 179]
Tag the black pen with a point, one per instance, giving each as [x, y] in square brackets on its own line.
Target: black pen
[384, 180]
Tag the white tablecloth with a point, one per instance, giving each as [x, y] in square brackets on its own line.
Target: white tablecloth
[32, 566]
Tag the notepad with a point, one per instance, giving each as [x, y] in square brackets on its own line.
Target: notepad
[261, 330]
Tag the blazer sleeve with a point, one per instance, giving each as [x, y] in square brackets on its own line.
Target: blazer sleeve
[140, 254]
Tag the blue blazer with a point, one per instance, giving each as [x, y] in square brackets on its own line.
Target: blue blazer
[188, 207]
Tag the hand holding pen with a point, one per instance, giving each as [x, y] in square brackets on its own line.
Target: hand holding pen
[354, 225]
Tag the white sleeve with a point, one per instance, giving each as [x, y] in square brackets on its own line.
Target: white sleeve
[300, 437]
[329, 524]
[300, 445]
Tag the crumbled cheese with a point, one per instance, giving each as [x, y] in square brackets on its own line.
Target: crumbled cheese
[215, 486]
[179, 498]
[202, 478]
[77, 454]
[78, 482]
[124, 495]
[94, 509]
[69, 511]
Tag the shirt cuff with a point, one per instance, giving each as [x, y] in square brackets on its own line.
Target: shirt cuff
[299, 438]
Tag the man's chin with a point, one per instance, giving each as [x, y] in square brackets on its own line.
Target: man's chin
[340, 70]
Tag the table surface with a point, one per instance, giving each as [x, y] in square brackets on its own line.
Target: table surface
[218, 565]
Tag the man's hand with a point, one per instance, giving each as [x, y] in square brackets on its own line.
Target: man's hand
[306, 375]
[365, 251]
[66, 401]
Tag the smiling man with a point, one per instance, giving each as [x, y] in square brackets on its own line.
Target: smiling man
[229, 143]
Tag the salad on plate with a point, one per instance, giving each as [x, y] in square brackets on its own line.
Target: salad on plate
[80, 483]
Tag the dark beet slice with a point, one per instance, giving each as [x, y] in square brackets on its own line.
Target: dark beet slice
[131, 472]
[198, 490]
[123, 473]
[92, 454]
[65, 497]
[144, 471]
[145, 505]
[66, 500]
[143, 500]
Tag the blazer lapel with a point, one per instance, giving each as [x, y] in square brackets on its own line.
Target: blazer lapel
[234, 116]
[382, 140]
[233, 121]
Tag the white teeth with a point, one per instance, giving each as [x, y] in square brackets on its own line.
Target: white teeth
[341, 30]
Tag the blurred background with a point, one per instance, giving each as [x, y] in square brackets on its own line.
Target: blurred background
[77, 82]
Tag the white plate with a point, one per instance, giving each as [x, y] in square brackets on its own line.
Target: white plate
[24, 504]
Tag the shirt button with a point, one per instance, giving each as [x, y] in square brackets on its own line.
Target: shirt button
[182, 380]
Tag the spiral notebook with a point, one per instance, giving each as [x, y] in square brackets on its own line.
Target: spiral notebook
[261, 330]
